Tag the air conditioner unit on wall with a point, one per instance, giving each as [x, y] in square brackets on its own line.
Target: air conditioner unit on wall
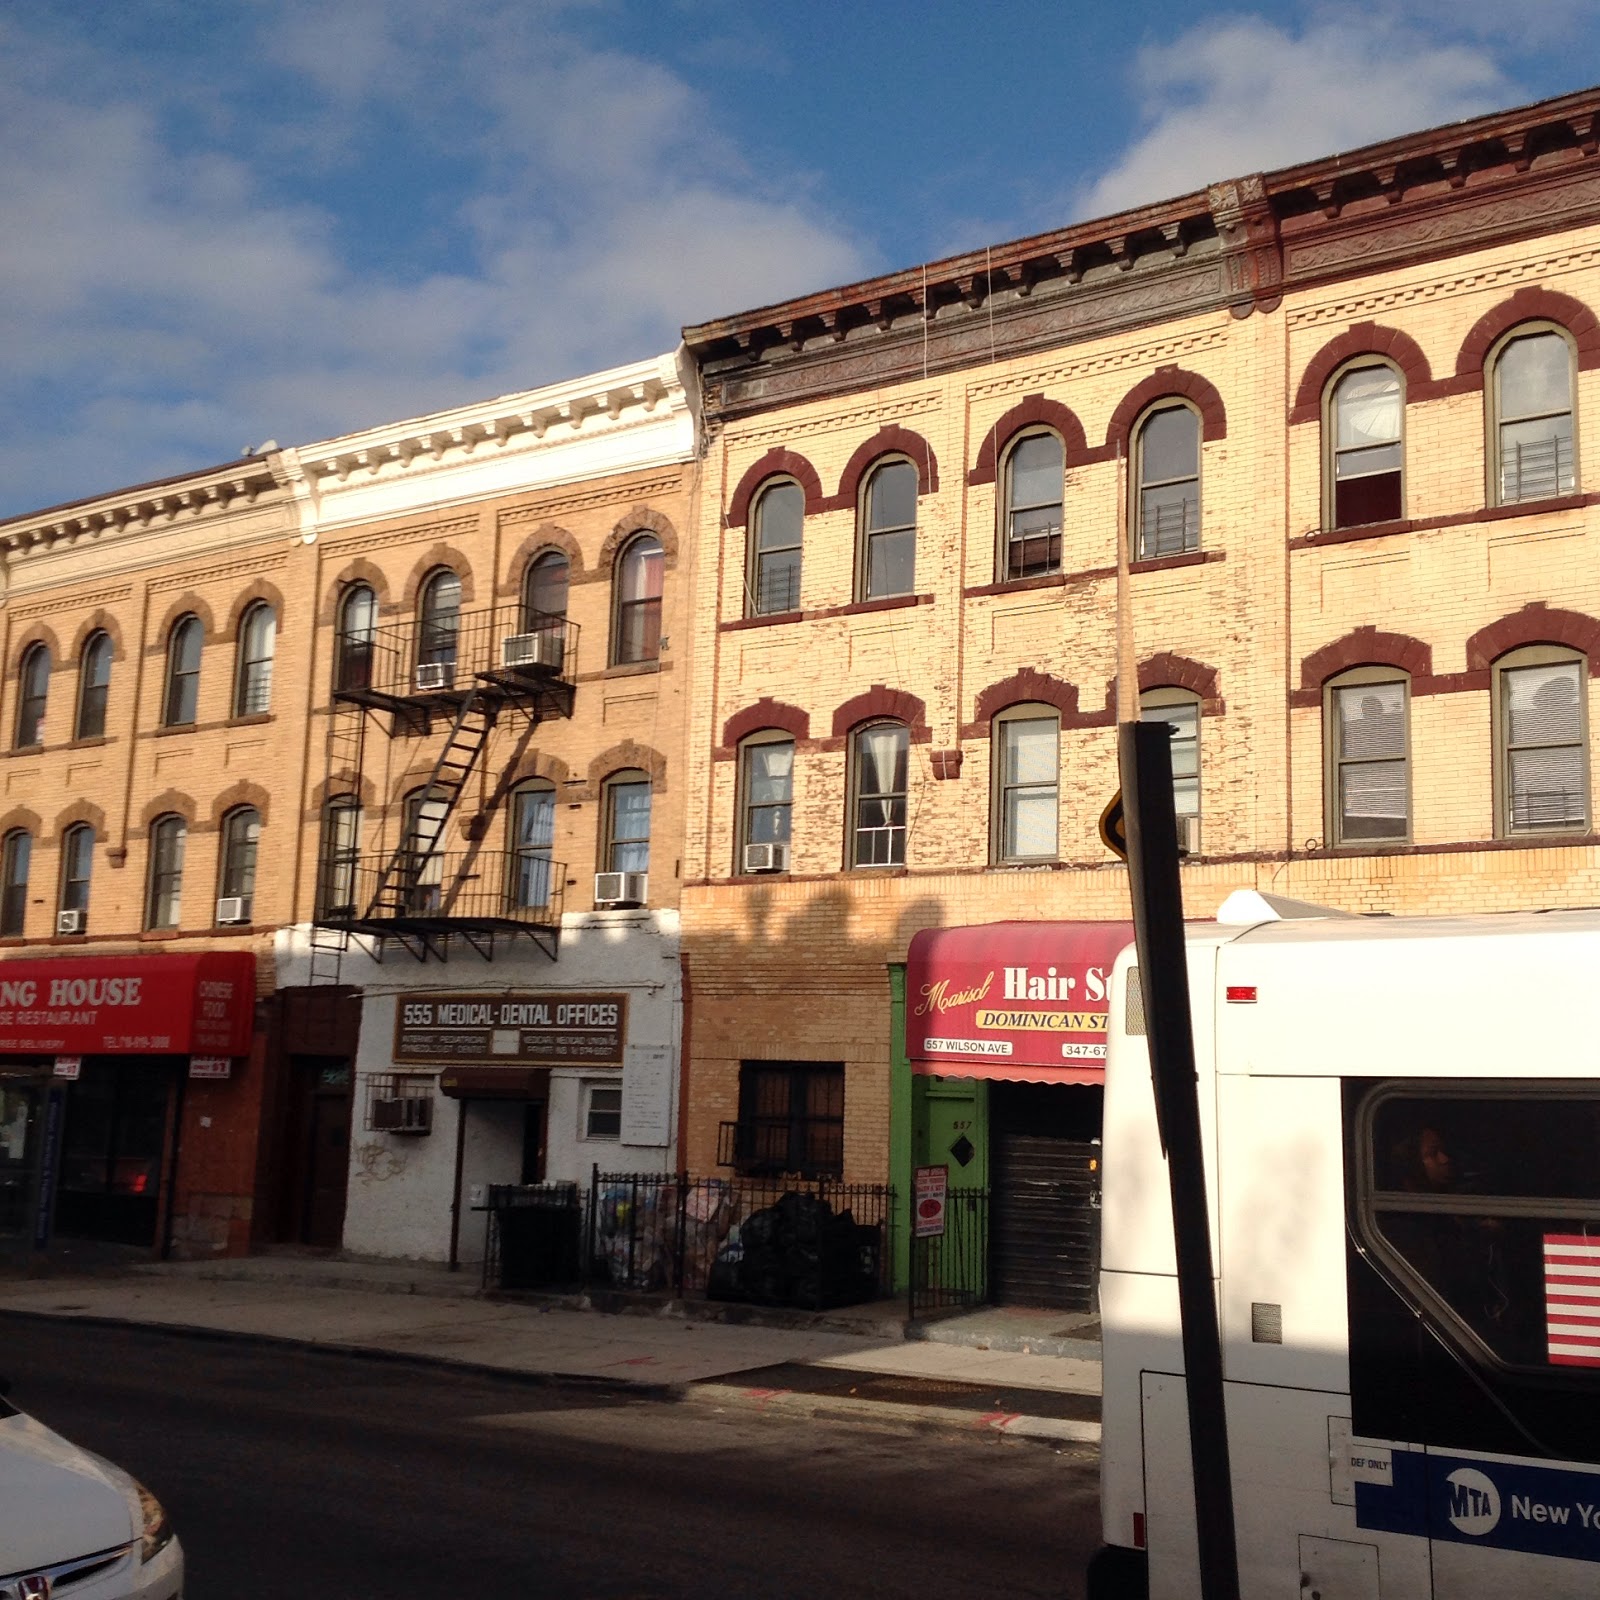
[71, 921]
[542, 649]
[233, 908]
[435, 674]
[1188, 836]
[766, 858]
[404, 1114]
[621, 888]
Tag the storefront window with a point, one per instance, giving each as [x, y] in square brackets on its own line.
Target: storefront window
[111, 1152]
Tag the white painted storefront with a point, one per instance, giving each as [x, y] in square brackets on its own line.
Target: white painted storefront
[402, 1183]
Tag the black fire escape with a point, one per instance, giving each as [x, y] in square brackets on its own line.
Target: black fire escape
[466, 675]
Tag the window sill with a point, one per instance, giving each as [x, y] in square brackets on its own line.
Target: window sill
[1453, 519]
[93, 742]
[1531, 841]
[168, 729]
[250, 719]
[893, 602]
[160, 935]
[876, 872]
[1190, 558]
[1046, 580]
[768, 619]
[631, 669]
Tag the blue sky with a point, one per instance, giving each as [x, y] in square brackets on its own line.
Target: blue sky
[232, 220]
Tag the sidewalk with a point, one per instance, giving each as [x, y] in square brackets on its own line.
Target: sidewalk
[856, 1363]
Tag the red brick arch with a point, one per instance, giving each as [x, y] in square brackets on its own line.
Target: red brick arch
[1169, 671]
[776, 463]
[641, 519]
[1363, 339]
[1365, 647]
[259, 590]
[185, 606]
[1034, 411]
[437, 559]
[37, 633]
[1530, 304]
[893, 705]
[354, 572]
[1027, 687]
[170, 802]
[544, 539]
[891, 440]
[98, 622]
[1170, 383]
[764, 714]
[243, 793]
[1535, 623]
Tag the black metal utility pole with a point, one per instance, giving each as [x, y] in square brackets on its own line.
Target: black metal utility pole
[1145, 751]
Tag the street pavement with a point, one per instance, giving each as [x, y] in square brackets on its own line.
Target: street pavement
[1027, 1375]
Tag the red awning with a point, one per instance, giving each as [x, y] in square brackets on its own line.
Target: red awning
[1012, 1000]
[129, 1005]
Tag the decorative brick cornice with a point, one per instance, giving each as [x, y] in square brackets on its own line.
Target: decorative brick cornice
[765, 714]
[1033, 411]
[1364, 339]
[880, 702]
[776, 463]
[1535, 623]
[889, 440]
[1528, 304]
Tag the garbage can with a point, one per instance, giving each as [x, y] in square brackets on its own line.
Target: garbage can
[538, 1227]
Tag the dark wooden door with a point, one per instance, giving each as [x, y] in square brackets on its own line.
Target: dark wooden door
[318, 1151]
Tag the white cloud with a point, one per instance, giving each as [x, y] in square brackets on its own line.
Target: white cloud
[168, 301]
[1242, 95]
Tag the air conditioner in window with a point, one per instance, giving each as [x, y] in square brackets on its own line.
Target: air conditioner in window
[1188, 836]
[71, 921]
[435, 675]
[542, 649]
[233, 908]
[621, 888]
[403, 1114]
[766, 858]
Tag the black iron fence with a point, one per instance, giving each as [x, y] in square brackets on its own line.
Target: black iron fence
[951, 1269]
[473, 887]
[810, 1243]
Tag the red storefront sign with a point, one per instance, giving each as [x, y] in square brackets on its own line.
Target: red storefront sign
[129, 1005]
[1012, 1000]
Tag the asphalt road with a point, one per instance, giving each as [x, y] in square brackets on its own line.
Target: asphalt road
[291, 1471]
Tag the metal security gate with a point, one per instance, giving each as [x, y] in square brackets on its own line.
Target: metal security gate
[1044, 1236]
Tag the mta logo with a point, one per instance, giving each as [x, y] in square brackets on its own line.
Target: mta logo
[1471, 1501]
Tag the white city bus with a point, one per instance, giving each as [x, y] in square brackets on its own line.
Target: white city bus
[1402, 1129]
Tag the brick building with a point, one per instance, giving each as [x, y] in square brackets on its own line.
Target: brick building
[1339, 410]
[226, 700]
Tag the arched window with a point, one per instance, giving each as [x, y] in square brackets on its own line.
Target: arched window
[258, 634]
[425, 818]
[1026, 758]
[168, 836]
[1541, 741]
[440, 630]
[1531, 417]
[1167, 472]
[1030, 515]
[340, 857]
[533, 837]
[888, 519]
[879, 762]
[544, 590]
[183, 672]
[77, 862]
[1180, 710]
[94, 686]
[33, 683]
[236, 885]
[1368, 752]
[636, 635]
[15, 859]
[626, 847]
[766, 802]
[777, 525]
[1365, 456]
[358, 626]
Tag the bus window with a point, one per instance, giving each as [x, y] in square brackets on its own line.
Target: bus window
[1479, 1208]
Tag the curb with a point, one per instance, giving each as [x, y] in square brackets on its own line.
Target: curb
[710, 1393]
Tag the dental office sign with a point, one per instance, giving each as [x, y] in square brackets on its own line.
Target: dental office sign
[1012, 999]
[129, 1005]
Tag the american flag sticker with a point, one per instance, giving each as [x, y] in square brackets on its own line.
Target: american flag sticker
[1572, 1299]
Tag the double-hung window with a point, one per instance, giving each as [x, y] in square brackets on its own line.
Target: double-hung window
[15, 859]
[1031, 518]
[1531, 396]
[1180, 710]
[766, 791]
[889, 532]
[880, 759]
[627, 823]
[791, 1119]
[1368, 757]
[258, 635]
[1167, 454]
[1541, 741]
[183, 673]
[636, 624]
[1365, 408]
[533, 834]
[1027, 783]
[34, 696]
[94, 686]
[776, 528]
[168, 837]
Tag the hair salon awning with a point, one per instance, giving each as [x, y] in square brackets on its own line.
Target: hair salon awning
[129, 1005]
[1016, 1000]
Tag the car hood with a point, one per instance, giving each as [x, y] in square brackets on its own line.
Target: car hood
[57, 1502]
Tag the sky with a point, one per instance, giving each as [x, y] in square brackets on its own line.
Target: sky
[228, 221]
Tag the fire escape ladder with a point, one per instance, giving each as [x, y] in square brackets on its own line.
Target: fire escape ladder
[402, 889]
[346, 748]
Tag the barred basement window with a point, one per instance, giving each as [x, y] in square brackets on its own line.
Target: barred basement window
[791, 1118]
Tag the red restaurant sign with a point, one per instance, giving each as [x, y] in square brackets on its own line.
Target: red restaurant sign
[1012, 1000]
[129, 1005]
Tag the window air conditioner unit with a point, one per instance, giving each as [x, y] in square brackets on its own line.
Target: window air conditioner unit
[434, 674]
[71, 921]
[621, 888]
[766, 858]
[1188, 836]
[407, 1114]
[542, 649]
[233, 908]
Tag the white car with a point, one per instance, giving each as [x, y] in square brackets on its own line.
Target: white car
[74, 1527]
